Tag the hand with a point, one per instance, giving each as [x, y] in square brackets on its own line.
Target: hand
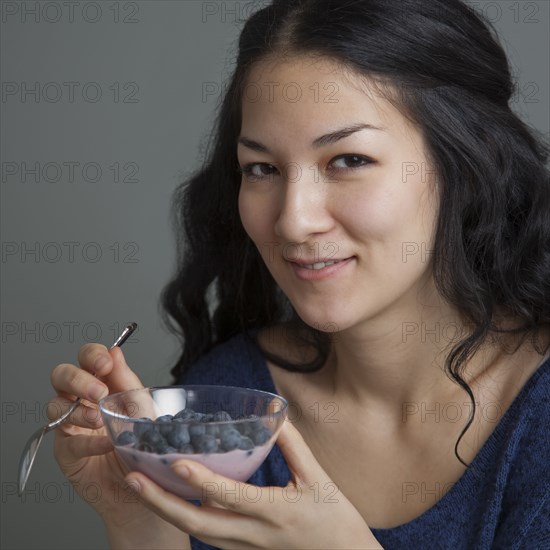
[310, 512]
[82, 448]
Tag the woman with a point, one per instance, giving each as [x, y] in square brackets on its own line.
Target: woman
[372, 225]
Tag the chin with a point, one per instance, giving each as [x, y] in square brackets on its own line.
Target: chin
[329, 321]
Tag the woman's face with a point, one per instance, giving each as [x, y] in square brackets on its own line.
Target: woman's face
[364, 199]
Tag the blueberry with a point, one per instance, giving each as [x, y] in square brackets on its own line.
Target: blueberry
[246, 443]
[229, 426]
[161, 447]
[165, 429]
[185, 414]
[182, 420]
[142, 425]
[207, 417]
[213, 429]
[187, 449]
[165, 426]
[244, 428]
[254, 421]
[178, 436]
[222, 416]
[197, 429]
[126, 438]
[205, 443]
[167, 449]
[230, 439]
[142, 446]
[252, 424]
[260, 436]
[153, 438]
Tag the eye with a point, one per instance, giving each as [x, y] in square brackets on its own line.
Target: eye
[353, 162]
[257, 170]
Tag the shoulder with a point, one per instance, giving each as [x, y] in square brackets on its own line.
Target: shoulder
[235, 362]
[525, 400]
[529, 420]
[533, 414]
[525, 462]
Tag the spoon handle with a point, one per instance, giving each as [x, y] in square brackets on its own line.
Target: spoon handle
[124, 335]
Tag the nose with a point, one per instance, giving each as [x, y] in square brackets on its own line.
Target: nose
[303, 209]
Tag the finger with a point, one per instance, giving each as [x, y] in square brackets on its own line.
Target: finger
[109, 365]
[207, 523]
[71, 380]
[83, 416]
[75, 447]
[229, 494]
[120, 377]
[301, 461]
[209, 501]
[95, 358]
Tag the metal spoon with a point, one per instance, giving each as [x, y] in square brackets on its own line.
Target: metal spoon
[31, 448]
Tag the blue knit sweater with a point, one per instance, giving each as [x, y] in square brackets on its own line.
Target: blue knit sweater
[502, 501]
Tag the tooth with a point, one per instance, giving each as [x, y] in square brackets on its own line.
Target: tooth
[320, 265]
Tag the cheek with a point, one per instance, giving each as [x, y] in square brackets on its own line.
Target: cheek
[375, 215]
[245, 212]
[390, 215]
[255, 216]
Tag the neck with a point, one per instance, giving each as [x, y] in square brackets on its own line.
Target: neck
[387, 363]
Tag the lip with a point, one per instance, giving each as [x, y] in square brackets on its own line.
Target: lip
[329, 271]
[317, 261]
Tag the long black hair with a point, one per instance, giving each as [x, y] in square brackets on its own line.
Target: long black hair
[441, 64]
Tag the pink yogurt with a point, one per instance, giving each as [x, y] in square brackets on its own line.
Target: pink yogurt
[237, 464]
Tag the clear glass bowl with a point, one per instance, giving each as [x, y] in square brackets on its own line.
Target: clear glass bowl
[153, 427]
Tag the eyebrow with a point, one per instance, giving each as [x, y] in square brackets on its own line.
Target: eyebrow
[321, 141]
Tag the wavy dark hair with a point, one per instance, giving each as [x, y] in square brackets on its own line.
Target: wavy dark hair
[491, 254]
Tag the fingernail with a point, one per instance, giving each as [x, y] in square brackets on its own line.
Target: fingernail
[133, 485]
[100, 363]
[97, 391]
[181, 469]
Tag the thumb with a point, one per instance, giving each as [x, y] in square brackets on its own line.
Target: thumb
[121, 377]
[303, 465]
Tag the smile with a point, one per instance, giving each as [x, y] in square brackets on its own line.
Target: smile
[319, 265]
[321, 270]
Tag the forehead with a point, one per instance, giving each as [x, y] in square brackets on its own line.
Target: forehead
[313, 92]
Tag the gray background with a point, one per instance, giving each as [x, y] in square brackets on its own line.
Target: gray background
[168, 58]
